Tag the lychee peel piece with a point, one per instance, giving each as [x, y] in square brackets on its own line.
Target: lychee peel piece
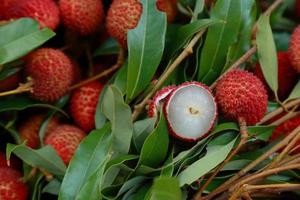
[191, 111]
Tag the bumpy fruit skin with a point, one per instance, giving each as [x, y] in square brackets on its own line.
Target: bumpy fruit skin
[29, 129]
[84, 101]
[52, 73]
[82, 16]
[241, 95]
[294, 49]
[10, 83]
[11, 186]
[45, 12]
[65, 140]
[125, 14]
[287, 76]
[285, 129]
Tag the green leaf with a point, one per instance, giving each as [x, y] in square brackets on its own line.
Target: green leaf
[219, 38]
[155, 148]
[22, 103]
[215, 155]
[119, 114]
[141, 130]
[52, 187]
[148, 38]
[295, 94]
[165, 188]
[7, 72]
[261, 132]
[199, 6]
[121, 78]
[45, 158]
[266, 50]
[20, 37]
[90, 154]
[168, 171]
[109, 47]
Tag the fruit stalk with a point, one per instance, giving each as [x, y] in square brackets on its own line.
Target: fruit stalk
[23, 87]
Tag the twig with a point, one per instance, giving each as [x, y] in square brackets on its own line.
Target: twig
[286, 117]
[49, 177]
[244, 138]
[184, 54]
[240, 61]
[26, 87]
[242, 172]
[119, 63]
[279, 110]
[246, 196]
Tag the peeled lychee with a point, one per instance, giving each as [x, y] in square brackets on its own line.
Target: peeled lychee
[65, 140]
[294, 49]
[29, 129]
[10, 82]
[285, 129]
[125, 14]
[11, 185]
[52, 73]
[191, 111]
[242, 96]
[287, 76]
[45, 12]
[82, 16]
[156, 103]
[84, 101]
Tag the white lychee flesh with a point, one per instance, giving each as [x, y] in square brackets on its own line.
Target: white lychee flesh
[191, 111]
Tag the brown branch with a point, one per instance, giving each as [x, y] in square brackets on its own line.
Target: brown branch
[286, 117]
[119, 63]
[244, 138]
[23, 87]
[184, 54]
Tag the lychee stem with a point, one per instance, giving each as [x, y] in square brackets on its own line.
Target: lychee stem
[49, 177]
[120, 61]
[184, 54]
[286, 117]
[244, 138]
[26, 87]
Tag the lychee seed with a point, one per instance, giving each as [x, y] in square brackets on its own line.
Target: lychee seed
[191, 111]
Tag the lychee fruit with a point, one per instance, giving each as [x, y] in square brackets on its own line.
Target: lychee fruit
[45, 12]
[287, 76]
[14, 163]
[285, 129]
[29, 129]
[65, 140]
[84, 101]
[125, 14]
[294, 49]
[82, 16]
[10, 82]
[52, 73]
[11, 185]
[158, 99]
[190, 111]
[241, 96]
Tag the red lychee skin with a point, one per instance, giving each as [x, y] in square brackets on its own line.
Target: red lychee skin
[14, 162]
[125, 14]
[285, 129]
[29, 129]
[52, 73]
[10, 83]
[297, 8]
[287, 76]
[168, 100]
[82, 16]
[294, 49]
[84, 101]
[65, 140]
[241, 95]
[159, 97]
[45, 12]
[11, 186]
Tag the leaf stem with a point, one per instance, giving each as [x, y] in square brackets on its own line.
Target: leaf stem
[23, 87]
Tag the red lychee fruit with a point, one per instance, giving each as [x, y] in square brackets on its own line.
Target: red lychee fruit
[191, 111]
[82, 16]
[10, 82]
[294, 49]
[125, 14]
[65, 140]
[29, 129]
[241, 95]
[14, 163]
[84, 101]
[158, 99]
[287, 76]
[285, 129]
[52, 73]
[45, 12]
[11, 185]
